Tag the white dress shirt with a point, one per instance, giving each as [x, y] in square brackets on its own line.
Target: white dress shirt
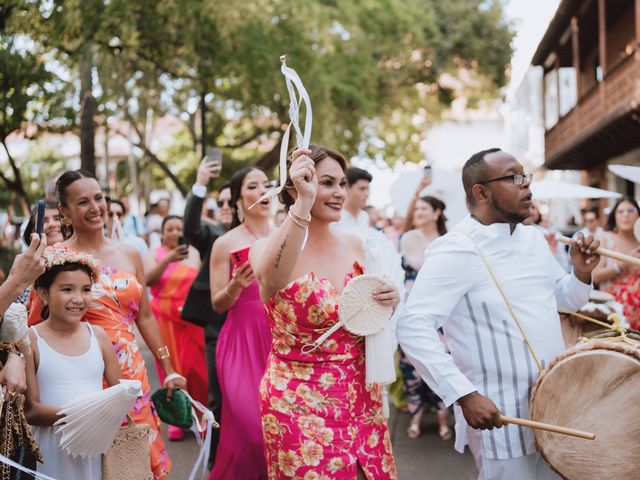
[454, 290]
[348, 221]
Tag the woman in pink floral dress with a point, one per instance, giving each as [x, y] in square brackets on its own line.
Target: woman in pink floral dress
[320, 419]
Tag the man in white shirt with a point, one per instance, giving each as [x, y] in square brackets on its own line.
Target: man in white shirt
[490, 360]
[353, 213]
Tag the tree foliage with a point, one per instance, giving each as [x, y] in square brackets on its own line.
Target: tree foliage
[372, 67]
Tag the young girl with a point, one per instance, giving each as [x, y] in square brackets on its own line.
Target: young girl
[68, 358]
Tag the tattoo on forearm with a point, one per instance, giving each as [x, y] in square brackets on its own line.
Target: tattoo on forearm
[280, 250]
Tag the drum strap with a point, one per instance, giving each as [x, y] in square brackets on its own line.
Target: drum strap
[506, 300]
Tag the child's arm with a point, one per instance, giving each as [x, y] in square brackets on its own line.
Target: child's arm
[112, 371]
[37, 413]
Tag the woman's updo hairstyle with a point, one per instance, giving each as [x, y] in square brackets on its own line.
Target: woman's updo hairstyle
[235, 185]
[437, 204]
[66, 179]
[317, 155]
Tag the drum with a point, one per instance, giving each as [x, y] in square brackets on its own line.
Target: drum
[594, 386]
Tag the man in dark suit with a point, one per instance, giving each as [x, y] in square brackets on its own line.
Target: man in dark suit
[197, 307]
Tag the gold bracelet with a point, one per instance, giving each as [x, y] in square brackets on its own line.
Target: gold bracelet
[163, 352]
[226, 292]
[298, 220]
[306, 219]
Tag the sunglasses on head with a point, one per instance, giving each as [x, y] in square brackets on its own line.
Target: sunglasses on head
[222, 202]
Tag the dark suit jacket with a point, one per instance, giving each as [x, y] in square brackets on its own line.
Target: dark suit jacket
[197, 308]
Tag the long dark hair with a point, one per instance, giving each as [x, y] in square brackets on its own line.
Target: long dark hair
[66, 179]
[437, 204]
[31, 225]
[611, 219]
[235, 185]
[45, 280]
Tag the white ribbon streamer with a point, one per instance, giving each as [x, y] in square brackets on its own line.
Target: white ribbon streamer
[205, 446]
[293, 83]
[17, 466]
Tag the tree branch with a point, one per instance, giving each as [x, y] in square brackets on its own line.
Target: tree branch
[153, 157]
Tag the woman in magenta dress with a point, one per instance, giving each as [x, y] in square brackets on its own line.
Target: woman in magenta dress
[245, 340]
[320, 419]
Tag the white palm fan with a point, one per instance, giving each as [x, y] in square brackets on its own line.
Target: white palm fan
[636, 229]
[14, 324]
[358, 312]
[91, 421]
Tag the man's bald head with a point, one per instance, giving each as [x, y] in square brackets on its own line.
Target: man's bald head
[475, 171]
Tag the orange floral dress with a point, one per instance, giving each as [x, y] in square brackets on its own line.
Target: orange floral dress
[114, 307]
[320, 420]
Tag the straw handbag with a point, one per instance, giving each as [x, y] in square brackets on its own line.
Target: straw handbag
[129, 457]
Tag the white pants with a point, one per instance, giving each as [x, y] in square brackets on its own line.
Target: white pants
[528, 467]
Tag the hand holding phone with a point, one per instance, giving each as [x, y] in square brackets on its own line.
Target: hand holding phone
[239, 256]
[214, 155]
[40, 218]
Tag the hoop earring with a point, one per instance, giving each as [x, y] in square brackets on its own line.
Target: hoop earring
[65, 221]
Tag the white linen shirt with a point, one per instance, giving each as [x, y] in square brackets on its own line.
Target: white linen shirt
[348, 221]
[454, 290]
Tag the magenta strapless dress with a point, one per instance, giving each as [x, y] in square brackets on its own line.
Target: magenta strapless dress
[241, 358]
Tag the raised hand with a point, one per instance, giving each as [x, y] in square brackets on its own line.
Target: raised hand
[207, 170]
[303, 176]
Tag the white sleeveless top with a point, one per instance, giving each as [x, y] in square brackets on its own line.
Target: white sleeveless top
[62, 378]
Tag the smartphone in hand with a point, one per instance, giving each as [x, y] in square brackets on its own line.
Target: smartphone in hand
[40, 218]
[183, 241]
[214, 155]
[239, 256]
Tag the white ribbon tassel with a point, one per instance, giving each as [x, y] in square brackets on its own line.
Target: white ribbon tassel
[380, 347]
[293, 83]
[205, 445]
[17, 466]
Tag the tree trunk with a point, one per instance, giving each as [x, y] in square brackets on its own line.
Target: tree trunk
[203, 123]
[87, 111]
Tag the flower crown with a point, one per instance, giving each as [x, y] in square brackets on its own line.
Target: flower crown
[59, 255]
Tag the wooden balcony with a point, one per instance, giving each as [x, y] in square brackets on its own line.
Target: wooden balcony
[604, 123]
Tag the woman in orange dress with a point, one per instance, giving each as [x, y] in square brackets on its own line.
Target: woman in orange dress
[170, 271]
[119, 299]
[320, 418]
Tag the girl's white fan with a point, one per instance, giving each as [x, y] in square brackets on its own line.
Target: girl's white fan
[358, 312]
[91, 421]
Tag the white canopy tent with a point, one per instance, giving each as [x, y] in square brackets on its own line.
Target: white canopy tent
[628, 172]
[548, 189]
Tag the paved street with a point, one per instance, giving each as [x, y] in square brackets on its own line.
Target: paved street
[426, 458]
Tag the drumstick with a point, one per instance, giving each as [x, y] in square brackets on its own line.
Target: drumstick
[605, 252]
[548, 427]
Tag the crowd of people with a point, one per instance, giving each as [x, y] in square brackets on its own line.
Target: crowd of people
[229, 305]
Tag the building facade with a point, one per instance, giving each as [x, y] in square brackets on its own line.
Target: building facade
[590, 59]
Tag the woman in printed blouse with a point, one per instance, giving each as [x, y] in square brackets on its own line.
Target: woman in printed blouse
[319, 417]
